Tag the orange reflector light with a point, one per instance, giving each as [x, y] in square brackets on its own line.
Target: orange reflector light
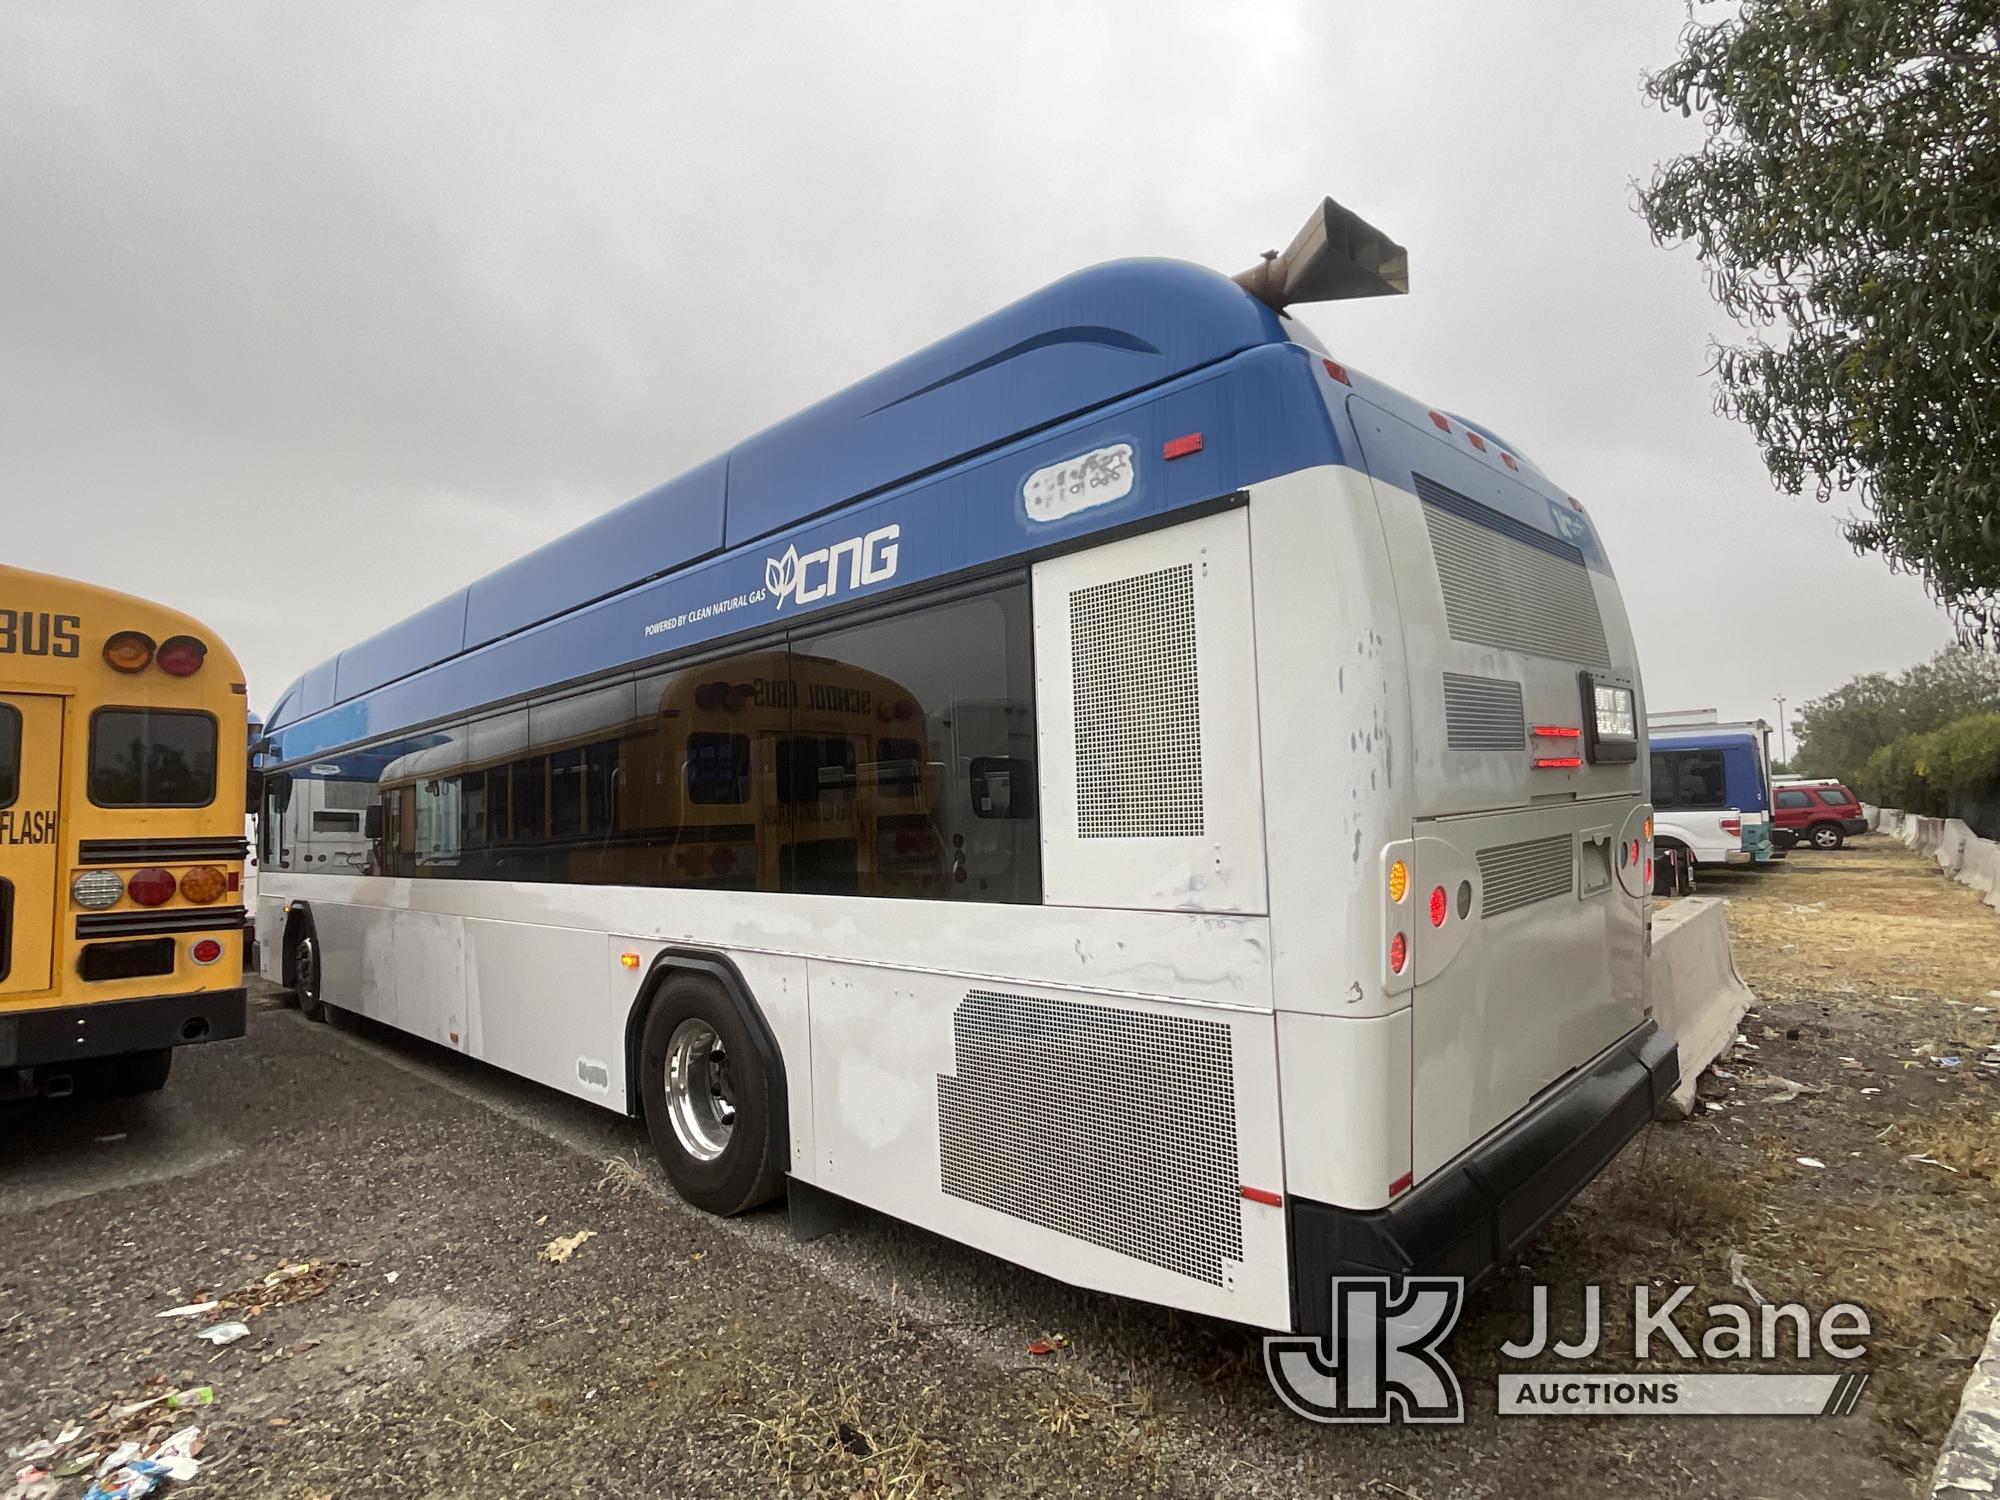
[1476, 440]
[1401, 1184]
[1181, 447]
[129, 651]
[1438, 421]
[1399, 880]
[203, 884]
[1399, 953]
[1440, 904]
[1557, 732]
[629, 960]
[1508, 459]
[1337, 370]
[1264, 1196]
[1558, 762]
[1649, 828]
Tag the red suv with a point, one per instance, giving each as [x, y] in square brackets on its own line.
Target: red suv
[1824, 813]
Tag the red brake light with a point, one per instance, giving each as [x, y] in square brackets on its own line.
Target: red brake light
[152, 886]
[1399, 953]
[1558, 762]
[1440, 904]
[206, 951]
[1557, 732]
[1181, 447]
[182, 656]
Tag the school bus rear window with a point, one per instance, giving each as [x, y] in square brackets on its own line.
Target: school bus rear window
[152, 757]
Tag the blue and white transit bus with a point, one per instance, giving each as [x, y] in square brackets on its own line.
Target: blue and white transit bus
[1118, 788]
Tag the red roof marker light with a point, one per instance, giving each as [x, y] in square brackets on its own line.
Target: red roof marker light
[1181, 447]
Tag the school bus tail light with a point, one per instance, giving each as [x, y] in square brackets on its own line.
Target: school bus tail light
[93, 890]
[205, 951]
[182, 656]
[129, 651]
[152, 886]
[204, 884]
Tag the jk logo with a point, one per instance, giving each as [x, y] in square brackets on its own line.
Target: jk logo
[1381, 1361]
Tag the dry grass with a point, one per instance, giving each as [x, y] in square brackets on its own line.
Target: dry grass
[824, 1434]
[622, 1177]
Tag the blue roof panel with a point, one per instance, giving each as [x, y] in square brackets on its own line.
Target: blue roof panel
[431, 634]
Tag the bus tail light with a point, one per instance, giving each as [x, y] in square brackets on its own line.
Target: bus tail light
[93, 890]
[1399, 953]
[129, 651]
[1440, 905]
[1558, 762]
[182, 656]
[205, 951]
[152, 886]
[203, 884]
[1181, 447]
[1399, 881]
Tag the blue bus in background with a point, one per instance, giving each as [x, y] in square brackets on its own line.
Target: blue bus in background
[1740, 752]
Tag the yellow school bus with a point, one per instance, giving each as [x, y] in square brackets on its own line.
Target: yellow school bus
[122, 740]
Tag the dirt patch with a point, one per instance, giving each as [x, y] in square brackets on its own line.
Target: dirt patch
[1871, 1053]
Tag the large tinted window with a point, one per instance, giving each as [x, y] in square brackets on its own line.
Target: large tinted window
[1833, 796]
[152, 757]
[890, 757]
[1794, 799]
[1691, 779]
[10, 754]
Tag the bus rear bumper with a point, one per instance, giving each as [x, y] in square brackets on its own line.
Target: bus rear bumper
[114, 1028]
[1475, 1214]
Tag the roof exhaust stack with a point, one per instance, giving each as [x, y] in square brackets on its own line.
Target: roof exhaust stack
[1337, 255]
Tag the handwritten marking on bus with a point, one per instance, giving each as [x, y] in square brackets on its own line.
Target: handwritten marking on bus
[1097, 478]
[25, 632]
[27, 825]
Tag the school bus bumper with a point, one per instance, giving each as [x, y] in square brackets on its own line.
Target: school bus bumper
[112, 1028]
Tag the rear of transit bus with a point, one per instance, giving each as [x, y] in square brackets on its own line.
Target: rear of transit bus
[1460, 846]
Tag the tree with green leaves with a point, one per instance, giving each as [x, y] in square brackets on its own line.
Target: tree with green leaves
[1841, 731]
[1846, 207]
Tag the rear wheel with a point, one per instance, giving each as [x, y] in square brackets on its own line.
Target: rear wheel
[709, 1101]
[142, 1072]
[1828, 836]
[306, 975]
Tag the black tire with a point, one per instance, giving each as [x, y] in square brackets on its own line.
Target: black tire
[1827, 836]
[307, 969]
[748, 1169]
[141, 1072]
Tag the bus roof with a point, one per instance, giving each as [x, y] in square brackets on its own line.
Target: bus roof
[1086, 340]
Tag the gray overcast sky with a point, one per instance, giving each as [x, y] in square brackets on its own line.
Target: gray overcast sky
[313, 313]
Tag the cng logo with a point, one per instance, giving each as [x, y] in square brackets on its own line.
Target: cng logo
[806, 577]
[1381, 1362]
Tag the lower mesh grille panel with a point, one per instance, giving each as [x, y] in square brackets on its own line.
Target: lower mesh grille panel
[1512, 876]
[1114, 1127]
[1483, 713]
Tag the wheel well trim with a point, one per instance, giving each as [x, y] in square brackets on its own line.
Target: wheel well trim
[718, 967]
[296, 913]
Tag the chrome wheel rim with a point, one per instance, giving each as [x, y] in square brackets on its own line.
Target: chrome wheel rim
[305, 969]
[701, 1098]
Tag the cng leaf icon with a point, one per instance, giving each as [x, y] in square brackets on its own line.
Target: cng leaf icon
[781, 575]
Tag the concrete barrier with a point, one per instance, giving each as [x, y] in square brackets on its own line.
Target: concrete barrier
[1959, 852]
[1698, 998]
[1969, 1463]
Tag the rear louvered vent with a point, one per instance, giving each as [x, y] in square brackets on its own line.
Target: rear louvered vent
[1483, 713]
[1508, 585]
[1512, 876]
[1138, 707]
[1111, 1126]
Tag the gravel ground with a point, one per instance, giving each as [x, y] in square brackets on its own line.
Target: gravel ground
[675, 1354]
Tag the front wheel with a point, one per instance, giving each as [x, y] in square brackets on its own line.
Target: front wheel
[710, 1103]
[306, 975]
[1827, 836]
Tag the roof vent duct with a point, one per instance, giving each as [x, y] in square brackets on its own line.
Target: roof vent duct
[1337, 255]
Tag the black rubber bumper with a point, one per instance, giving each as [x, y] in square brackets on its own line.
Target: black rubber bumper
[1852, 826]
[111, 1028]
[1473, 1216]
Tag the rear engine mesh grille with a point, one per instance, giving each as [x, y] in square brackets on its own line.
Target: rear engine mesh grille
[1112, 1126]
[1512, 876]
[1138, 707]
[1507, 585]
[1483, 713]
